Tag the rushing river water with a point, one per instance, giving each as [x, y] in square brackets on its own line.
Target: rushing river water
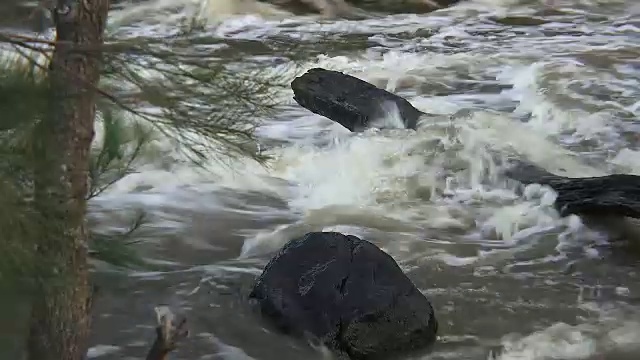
[559, 86]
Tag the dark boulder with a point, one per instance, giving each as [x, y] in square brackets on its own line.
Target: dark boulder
[610, 195]
[348, 294]
[346, 8]
[349, 101]
[402, 6]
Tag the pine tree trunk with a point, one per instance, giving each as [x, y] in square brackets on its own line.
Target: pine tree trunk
[60, 319]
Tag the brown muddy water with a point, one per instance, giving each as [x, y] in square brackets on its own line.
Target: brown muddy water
[556, 84]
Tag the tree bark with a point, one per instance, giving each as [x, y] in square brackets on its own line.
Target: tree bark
[60, 319]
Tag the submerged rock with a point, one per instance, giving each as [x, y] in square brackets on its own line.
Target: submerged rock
[520, 20]
[350, 7]
[402, 6]
[348, 294]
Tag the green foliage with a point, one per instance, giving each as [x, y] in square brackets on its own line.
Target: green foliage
[21, 97]
[116, 249]
[209, 108]
[120, 147]
[23, 101]
[149, 87]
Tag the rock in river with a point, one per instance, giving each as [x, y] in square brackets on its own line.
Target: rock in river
[347, 293]
[349, 101]
[346, 7]
[354, 103]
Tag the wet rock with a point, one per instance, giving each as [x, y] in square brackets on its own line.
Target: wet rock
[611, 195]
[520, 20]
[328, 8]
[349, 101]
[346, 293]
[348, 8]
[402, 6]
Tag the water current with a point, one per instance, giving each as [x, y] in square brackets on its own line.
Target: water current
[554, 82]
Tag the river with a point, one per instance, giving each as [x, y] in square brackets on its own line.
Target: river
[553, 82]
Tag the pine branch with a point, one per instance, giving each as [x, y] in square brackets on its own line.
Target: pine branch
[208, 108]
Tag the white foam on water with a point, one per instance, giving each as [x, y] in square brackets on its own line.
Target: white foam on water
[172, 12]
[223, 350]
[560, 341]
[502, 7]
[454, 161]
[377, 174]
[629, 159]
[531, 90]
[614, 332]
[98, 351]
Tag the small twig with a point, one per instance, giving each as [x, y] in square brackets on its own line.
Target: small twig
[168, 335]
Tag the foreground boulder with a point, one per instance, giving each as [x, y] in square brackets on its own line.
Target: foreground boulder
[348, 294]
[355, 104]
